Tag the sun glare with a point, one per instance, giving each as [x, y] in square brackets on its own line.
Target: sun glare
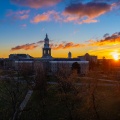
[115, 56]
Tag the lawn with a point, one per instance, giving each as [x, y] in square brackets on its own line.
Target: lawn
[107, 100]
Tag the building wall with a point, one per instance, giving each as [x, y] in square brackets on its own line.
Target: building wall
[55, 65]
[19, 64]
[88, 58]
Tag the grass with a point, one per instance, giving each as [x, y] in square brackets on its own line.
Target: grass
[107, 102]
[51, 79]
[53, 111]
[99, 81]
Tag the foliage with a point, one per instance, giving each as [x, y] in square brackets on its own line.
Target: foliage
[12, 92]
[76, 66]
[107, 103]
[69, 93]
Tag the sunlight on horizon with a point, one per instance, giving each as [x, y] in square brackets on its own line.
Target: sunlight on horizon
[115, 55]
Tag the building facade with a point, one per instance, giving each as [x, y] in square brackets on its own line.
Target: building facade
[88, 57]
[67, 64]
[19, 56]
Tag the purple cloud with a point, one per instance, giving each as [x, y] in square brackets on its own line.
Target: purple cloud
[35, 3]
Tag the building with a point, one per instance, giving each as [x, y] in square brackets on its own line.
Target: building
[14, 59]
[55, 65]
[69, 55]
[52, 64]
[19, 56]
[88, 57]
[46, 49]
[49, 63]
[1, 62]
[19, 64]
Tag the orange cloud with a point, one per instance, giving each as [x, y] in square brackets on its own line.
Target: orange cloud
[59, 17]
[55, 46]
[108, 40]
[85, 13]
[65, 45]
[78, 13]
[36, 3]
[40, 18]
[88, 21]
[91, 9]
[46, 16]
[25, 47]
[56, 16]
[71, 18]
[30, 46]
[114, 39]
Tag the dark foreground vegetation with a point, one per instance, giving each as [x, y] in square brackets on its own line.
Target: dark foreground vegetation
[70, 97]
[58, 107]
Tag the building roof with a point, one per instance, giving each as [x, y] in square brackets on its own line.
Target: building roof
[69, 61]
[20, 56]
[66, 59]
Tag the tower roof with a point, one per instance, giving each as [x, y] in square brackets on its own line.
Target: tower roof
[46, 38]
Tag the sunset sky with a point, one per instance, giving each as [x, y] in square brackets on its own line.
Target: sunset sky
[78, 26]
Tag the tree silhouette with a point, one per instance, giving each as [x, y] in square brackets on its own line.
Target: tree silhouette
[76, 67]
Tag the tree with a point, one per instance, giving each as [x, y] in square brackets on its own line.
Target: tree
[76, 67]
[69, 93]
[92, 65]
[1, 63]
[26, 71]
[92, 96]
[41, 89]
[105, 65]
[12, 93]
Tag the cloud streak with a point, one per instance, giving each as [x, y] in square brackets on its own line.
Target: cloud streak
[53, 45]
[65, 45]
[46, 16]
[18, 15]
[25, 47]
[114, 39]
[35, 3]
[107, 40]
[29, 46]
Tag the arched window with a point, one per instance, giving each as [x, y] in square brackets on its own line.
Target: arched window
[76, 66]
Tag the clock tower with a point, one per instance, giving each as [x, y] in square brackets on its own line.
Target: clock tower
[46, 49]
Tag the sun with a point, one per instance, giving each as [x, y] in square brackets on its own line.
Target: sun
[115, 56]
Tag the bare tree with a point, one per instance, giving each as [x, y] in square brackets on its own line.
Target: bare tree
[26, 71]
[92, 96]
[69, 93]
[12, 93]
[41, 89]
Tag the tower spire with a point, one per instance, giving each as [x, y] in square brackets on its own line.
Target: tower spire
[46, 35]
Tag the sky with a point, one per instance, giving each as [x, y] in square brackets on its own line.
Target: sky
[78, 26]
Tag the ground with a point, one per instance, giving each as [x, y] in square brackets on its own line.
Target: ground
[51, 106]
